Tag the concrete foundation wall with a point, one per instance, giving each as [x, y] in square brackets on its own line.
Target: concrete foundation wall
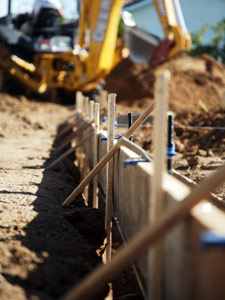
[183, 276]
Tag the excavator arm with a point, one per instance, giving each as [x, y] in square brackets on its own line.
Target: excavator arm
[98, 43]
[101, 48]
[173, 25]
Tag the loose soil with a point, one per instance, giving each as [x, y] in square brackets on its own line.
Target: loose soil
[195, 93]
[44, 248]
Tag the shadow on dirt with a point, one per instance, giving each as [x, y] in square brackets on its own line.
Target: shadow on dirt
[64, 240]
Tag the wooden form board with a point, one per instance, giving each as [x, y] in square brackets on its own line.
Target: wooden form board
[131, 191]
[207, 266]
[101, 151]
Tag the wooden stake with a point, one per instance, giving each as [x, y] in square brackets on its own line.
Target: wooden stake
[104, 98]
[72, 149]
[87, 147]
[86, 107]
[213, 198]
[95, 160]
[109, 176]
[68, 128]
[142, 240]
[83, 162]
[157, 198]
[79, 105]
[69, 138]
[79, 153]
[79, 101]
[223, 99]
[69, 151]
[108, 155]
[83, 150]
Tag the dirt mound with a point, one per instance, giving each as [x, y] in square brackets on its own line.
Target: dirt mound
[196, 87]
[201, 132]
[193, 81]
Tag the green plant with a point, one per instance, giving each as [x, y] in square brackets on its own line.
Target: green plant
[197, 37]
[217, 46]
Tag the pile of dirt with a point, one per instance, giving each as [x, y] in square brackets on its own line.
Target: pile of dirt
[201, 131]
[192, 132]
[195, 93]
[193, 81]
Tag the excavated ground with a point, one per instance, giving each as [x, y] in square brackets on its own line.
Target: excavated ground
[195, 93]
[44, 248]
[39, 239]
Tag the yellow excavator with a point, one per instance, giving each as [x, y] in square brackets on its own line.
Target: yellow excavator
[77, 56]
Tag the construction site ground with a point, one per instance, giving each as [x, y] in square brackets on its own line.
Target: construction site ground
[44, 248]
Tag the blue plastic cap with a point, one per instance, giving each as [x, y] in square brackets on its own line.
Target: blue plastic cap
[84, 121]
[171, 151]
[131, 162]
[104, 118]
[211, 239]
[116, 138]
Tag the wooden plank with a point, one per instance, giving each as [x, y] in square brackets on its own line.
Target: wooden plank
[79, 101]
[74, 134]
[182, 246]
[104, 98]
[157, 197]
[218, 202]
[90, 110]
[83, 149]
[109, 176]
[208, 270]
[68, 128]
[223, 99]
[79, 105]
[69, 151]
[142, 240]
[132, 183]
[209, 216]
[81, 111]
[95, 158]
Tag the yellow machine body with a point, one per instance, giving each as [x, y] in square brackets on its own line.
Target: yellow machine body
[98, 49]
